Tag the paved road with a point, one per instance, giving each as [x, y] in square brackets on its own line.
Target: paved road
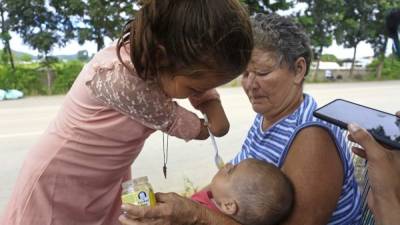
[22, 121]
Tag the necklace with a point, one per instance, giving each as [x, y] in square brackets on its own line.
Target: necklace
[165, 153]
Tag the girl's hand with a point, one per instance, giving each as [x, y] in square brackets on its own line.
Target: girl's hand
[209, 103]
[203, 135]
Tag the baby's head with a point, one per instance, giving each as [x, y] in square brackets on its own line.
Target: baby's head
[253, 192]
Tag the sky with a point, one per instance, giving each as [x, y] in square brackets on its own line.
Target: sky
[71, 47]
[363, 50]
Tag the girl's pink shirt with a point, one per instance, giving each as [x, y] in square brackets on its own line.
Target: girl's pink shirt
[73, 174]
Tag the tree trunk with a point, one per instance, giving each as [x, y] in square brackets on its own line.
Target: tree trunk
[99, 41]
[49, 74]
[353, 61]
[4, 29]
[381, 60]
[379, 69]
[10, 55]
[315, 73]
[50, 77]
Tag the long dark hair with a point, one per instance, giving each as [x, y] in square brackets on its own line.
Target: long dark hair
[213, 34]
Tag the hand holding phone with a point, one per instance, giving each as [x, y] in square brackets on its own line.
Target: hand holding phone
[384, 127]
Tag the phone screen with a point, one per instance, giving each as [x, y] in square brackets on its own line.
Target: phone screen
[384, 127]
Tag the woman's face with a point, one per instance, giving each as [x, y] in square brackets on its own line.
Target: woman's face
[272, 89]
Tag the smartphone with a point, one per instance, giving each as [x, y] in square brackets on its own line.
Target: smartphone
[384, 127]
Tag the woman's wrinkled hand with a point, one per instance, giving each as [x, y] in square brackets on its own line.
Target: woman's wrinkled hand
[383, 173]
[171, 209]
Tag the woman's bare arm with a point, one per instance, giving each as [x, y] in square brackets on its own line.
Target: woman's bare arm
[315, 168]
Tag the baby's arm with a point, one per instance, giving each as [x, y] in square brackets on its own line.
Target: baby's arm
[209, 103]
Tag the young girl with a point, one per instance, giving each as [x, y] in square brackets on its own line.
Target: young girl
[173, 49]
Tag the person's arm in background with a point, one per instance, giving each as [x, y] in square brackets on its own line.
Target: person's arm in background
[383, 173]
[315, 169]
[172, 209]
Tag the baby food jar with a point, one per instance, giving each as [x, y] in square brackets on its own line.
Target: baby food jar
[138, 192]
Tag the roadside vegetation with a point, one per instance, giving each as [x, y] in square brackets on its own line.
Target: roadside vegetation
[348, 23]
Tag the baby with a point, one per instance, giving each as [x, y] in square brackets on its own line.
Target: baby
[252, 192]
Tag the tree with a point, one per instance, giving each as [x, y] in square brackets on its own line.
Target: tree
[318, 20]
[329, 58]
[265, 6]
[99, 18]
[5, 36]
[378, 37]
[41, 27]
[83, 55]
[38, 25]
[25, 57]
[354, 25]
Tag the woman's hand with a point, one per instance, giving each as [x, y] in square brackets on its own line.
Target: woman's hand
[383, 173]
[171, 209]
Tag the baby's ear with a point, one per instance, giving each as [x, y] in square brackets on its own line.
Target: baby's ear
[229, 207]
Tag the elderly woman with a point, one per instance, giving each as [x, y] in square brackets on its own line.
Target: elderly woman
[311, 153]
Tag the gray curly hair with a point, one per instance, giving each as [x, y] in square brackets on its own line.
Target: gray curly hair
[282, 36]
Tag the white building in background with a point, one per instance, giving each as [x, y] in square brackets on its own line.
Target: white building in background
[365, 61]
[327, 66]
[335, 71]
[360, 63]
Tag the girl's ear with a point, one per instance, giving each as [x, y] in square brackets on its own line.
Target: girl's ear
[300, 67]
[229, 206]
[161, 57]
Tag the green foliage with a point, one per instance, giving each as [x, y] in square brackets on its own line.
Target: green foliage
[189, 187]
[3, 57]
[5, 35]
[353, 26]
[83, 55]
[329, 58]
[25, 79]
[48, 61]
[66, 74]
[391, 68]
[32, 78]
[25, 57]
[318, 20]
[377, 36]
[39, 25]
[104, 19]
